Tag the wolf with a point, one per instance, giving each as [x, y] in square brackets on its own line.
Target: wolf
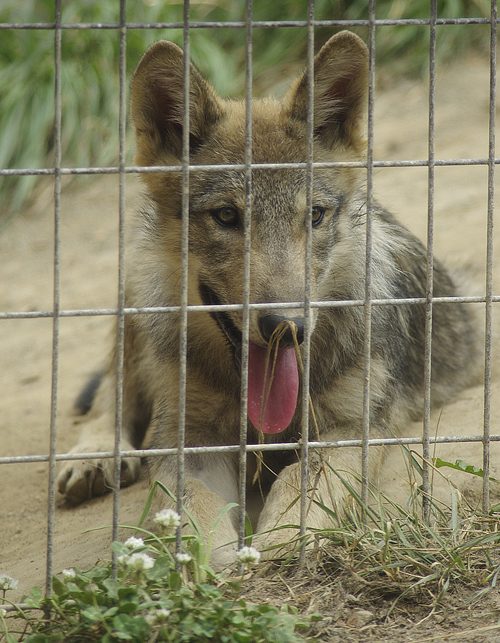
[280, 215]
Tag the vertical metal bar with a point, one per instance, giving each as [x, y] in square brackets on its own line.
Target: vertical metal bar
[307, 282]
[56, 294]
[429, 287]
[368, 255]
[184, 267]
[489, 261]
[247, 232]
[120, 321]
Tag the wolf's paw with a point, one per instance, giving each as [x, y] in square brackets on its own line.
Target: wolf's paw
[277, 543]
[81, 480]
[223, 555]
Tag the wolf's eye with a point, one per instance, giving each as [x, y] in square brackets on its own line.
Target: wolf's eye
[317, 215]
[226, 216]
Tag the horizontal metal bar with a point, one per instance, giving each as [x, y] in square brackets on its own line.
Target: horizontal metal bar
[239, 24]
[212, 308]
[140, 169]
[251, 448]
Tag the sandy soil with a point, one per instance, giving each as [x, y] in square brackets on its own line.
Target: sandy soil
[89, 278]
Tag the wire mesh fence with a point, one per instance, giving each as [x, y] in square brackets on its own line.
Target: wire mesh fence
[484, 435]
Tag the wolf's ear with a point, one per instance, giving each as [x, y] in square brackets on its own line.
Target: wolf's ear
[157, 104]
[340, 91]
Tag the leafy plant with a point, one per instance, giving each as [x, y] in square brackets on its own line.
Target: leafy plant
[461, 465]
[156, 596]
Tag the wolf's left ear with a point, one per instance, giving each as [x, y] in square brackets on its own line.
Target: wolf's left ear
[157, 105]
[340, 92]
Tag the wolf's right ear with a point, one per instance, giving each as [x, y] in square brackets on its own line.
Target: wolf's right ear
[157, 105]
[340, 93]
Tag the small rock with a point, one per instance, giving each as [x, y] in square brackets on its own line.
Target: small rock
[359, 618]
[350, 598]
[364, 617]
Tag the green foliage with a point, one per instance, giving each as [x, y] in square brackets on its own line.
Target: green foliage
[461, 465]
[90, 85]
[151, 600]
[157, 596]
[397, 553]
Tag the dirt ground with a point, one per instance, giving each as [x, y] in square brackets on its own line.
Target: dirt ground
[89, 280]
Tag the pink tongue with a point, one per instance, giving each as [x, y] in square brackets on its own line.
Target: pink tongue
[282, 398]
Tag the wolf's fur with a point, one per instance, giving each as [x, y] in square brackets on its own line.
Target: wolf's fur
[215, 275]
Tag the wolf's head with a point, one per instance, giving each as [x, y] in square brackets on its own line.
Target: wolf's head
[276, 199]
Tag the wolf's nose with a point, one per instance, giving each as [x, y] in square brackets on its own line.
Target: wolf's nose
[269, 323]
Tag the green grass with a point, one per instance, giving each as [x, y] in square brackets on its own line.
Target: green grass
[90, 66]
[394, 552]
[382, 552]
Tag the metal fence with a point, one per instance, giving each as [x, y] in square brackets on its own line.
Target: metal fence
[431, 162]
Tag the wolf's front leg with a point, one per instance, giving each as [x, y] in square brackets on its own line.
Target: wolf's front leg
[210, 483]
[80, 480]
[324, 489]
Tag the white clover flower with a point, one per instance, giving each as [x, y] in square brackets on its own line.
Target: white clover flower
[123, 559]
[93, 588]
[183, 559]
[150, 618]
[3, 612]
[167, 518]
[69, 574]
[248, 555]
[158, 616]
[134, 543]
[7, 582]
[140, 562]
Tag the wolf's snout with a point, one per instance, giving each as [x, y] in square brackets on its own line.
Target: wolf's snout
[269, 323]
